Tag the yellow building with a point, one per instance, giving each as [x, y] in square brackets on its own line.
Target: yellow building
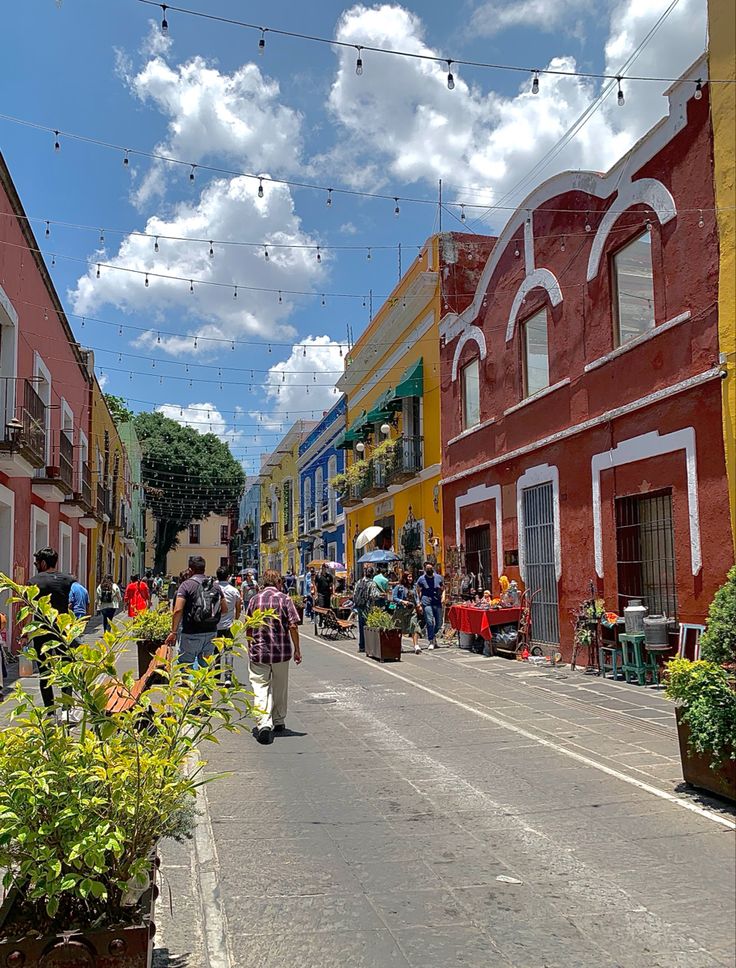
[279, 481]
[392, 385]
[209, 538]
[722, 66]
[113, 546]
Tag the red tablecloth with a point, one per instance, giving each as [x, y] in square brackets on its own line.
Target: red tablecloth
[480, 621]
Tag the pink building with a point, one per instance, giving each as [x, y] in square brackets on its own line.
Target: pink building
[45, 400]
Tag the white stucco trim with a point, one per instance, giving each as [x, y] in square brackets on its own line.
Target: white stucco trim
[541, 474]
[37, 514]
[645, 447]
[643, 191]
[7, 306]
[475, 333]
[471, 430]
[544, 392]
[538, 279]
[475, 495]
[603, 418]
[637, 341]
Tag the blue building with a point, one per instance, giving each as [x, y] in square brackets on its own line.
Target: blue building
[245, 544]
[322, 520]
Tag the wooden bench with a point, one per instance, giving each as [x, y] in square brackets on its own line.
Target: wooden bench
[120, 698]
[331, 624]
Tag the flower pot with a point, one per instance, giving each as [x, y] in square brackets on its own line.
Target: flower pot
[383, 644]
[696, 768]
[300, 612]
[124, 945]
[146, 650]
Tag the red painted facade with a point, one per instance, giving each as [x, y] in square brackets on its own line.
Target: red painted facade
[39, 359]
[633, 423]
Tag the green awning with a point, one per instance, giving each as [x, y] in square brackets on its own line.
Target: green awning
[358, 429]
[411, 384]
[342, 442]
[380, 411]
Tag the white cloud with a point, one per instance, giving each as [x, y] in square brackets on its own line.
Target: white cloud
[231, 118]
[226, 209]
[103, 379]
[480, 141]
[497, 15]
[205, 418]
[302, 384]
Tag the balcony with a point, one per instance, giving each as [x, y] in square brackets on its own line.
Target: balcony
[315, 519]
[269, 532]
[79, 505]
[55, 483]
[23, 435]
[407, 460]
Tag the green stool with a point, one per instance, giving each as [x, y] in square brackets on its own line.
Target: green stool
[637, 661]
[611, 659]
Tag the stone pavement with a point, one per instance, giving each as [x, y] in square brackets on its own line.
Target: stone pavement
[452, 810]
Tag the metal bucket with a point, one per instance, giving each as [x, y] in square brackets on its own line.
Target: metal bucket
[655, 632]
[634, 617]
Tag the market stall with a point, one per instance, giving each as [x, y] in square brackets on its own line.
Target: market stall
[481, 621]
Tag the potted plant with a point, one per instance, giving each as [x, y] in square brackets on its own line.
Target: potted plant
[382, 638]
[83, 806]
[298, 601]
[705, 693]
[149, 630]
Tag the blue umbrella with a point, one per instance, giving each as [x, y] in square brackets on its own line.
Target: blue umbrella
[379, 558]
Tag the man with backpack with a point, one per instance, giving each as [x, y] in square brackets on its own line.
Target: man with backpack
[198, 608]
[362, 594]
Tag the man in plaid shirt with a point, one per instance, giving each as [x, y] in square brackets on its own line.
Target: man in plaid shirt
[270, 648]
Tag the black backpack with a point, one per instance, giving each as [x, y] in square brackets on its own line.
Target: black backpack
[106, 596]
[204, 614]
[362, 593]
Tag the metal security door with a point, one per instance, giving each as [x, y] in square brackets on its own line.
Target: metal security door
[541, 573]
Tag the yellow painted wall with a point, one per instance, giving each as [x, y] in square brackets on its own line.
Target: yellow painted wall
[722, 65]
[109, 539]
[210, 546]
[282, 467]
[421, 496]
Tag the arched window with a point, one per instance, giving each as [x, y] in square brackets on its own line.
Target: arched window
[307, 509]
[319, 498]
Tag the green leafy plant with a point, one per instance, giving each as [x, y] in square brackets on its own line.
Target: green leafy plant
[718, 644]
[709, 705]
[297, 599]
[152, 625]
[82, 807]
[384, 451]
[379, 618]
[354, 475]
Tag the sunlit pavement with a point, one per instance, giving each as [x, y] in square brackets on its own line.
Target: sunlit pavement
[452, 810]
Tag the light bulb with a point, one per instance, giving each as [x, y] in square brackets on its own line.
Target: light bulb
[698, 90]
[155, 245]
[260, 188]
[588, 227]
[368, 255]
[146, 282]
[359, 62]
[304, 351]
[323, 300]
[191, 286]
[396, 210]
[212, 252]
[102, 236]
[329, 197]
[191, 173]
[535, 83]
[516, 252]
[701, 223]
[126, 160]
[48, 230]
[385, 429]
[620, 96]
[57, 143]
[280, 299]
[164, 21]
[562, 244]
[265, 252]
[262, 42]
[450, 77]
[462, 213]
[98, 270]
[360, 446]
[319, 255]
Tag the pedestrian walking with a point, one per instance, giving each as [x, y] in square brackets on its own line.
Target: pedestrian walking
[323, 585]
[362, 601]
[57, 585]
[270, 649]
[152, 592]
[405, 612]
[108, 600]
[430, 594]
[78, 600]
[199, 607]
[137, 596]
[309, 593]
[171, 591]
[380, 591]
[249, 588]
[290, 581]
[234, 606]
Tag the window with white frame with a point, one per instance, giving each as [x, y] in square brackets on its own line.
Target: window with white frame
[536, 353]
[307, 509]
[470, 384]
[331, 494]
[318, 495]
[633, 289]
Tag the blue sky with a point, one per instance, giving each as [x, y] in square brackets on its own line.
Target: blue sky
[298, 112]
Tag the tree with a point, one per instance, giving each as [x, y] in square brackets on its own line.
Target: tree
[187, 476]
[118, 408]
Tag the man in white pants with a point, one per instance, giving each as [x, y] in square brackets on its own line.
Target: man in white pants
[270, 648]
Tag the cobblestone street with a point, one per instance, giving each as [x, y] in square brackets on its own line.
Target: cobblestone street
[453, 810]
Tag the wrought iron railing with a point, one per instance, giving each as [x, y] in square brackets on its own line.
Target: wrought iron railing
[86, 485]
[66, 459]
[33, 418]
[269, 532]
[406, 460]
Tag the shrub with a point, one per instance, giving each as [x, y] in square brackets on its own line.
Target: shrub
[718, 644]
[709, 705]
[379, 618]
[153, 625]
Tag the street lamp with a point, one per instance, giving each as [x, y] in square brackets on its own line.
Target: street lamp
[385, 429]
[360, 446]
[14, 428]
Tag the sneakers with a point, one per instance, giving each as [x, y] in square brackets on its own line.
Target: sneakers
[264, 735]
[432, 645]
[417, 650]
[280, 728]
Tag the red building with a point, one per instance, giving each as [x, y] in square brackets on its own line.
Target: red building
[45, 398]
[581, 417]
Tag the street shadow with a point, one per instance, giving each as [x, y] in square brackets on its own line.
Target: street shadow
[707, 800]
[163, 958]
[289, 732]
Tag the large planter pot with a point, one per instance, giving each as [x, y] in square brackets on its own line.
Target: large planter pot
[300, 613]
[125, 946]
[696, 768]
[146, 650]
[383, 645]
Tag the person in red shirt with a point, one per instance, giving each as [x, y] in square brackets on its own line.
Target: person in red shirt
[137, 596]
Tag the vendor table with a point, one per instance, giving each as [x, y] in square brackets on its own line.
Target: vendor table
[481, 621]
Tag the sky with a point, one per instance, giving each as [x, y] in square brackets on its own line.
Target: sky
[254, 342]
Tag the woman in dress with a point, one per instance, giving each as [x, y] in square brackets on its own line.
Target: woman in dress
[405, 609]
[137, 596]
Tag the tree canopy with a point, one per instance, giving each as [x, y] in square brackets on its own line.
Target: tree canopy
[187, 477]
[118, 408]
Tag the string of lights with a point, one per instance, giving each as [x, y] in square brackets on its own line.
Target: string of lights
[533, 72]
